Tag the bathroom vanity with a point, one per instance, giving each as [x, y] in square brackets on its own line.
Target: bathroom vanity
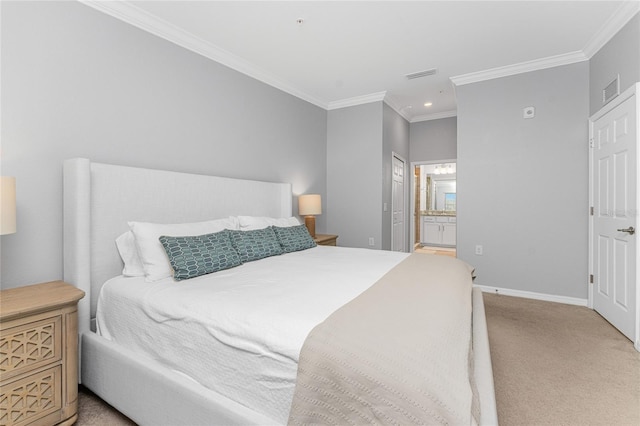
[438, 229]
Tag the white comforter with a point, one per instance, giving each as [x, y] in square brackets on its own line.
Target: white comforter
[239, 332]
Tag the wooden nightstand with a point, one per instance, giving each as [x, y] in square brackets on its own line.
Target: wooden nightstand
[39, 354]
[326, 240]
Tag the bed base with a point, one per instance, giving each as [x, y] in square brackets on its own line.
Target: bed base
[150, 394]
[483, 369]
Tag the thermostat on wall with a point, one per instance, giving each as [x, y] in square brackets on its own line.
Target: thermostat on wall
[529, 112]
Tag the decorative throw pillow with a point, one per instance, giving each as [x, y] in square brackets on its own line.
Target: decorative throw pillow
[199, 255]
[255, 244]
[152, 255]
[294, 238]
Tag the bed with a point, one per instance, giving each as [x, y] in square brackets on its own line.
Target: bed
[153, 385]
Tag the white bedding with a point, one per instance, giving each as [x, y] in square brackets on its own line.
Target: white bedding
[232, 331]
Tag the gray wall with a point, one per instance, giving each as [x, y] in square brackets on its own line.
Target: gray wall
[434, 140]
[354, 174]
[523, 183]
[621, 55]
[395, 139]
[78, 83]
[360, 143]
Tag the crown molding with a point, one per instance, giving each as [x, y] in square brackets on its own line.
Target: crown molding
[619, 19]
[357, 100]
[393, 104]
[435, 116]
[535, 65]
[133, 15]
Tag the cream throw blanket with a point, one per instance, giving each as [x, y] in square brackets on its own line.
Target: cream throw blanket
[397, 354]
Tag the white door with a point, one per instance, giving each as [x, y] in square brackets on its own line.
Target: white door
[615, 214]
[397, 201]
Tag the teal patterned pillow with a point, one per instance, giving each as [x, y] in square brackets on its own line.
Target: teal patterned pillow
[255, 244]
[198, 255]
[294, 238]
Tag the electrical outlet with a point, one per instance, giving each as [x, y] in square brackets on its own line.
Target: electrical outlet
[479, 250]
[372, 241]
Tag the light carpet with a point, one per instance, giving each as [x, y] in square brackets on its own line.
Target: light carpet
[557, 364]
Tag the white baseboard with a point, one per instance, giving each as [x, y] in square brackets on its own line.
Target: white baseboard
[531, 295]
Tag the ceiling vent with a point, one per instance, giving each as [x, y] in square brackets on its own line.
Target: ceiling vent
[420, 74]
[611, 91]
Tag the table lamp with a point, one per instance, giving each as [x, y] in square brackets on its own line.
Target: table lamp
[7, 205]
[310, 205]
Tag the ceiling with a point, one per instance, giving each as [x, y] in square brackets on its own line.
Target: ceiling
[341, 53]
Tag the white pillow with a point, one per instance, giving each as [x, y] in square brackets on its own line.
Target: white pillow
[154, 259]
[249, 223]
[126, 244]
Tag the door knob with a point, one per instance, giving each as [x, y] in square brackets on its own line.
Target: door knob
[630, 230]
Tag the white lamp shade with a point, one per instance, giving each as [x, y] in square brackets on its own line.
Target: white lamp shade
[309, 204]
[7, 205]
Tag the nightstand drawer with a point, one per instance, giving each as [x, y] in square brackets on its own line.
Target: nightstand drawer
[33, 399]
[27, 346]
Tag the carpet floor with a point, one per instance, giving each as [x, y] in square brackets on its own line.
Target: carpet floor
[553, 364]
[557, 364]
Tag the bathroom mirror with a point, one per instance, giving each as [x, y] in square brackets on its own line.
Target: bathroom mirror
[438, 188]
[443, 197]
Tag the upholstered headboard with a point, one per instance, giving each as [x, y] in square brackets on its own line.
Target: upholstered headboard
[99, 200]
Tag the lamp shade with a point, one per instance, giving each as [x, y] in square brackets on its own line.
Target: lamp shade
[7, 205]
[309, 204]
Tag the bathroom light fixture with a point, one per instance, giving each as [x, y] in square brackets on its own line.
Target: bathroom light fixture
[445, 169]
[309, 206]
[428, 104]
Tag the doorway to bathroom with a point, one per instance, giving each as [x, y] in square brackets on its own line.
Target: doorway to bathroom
[434, 206]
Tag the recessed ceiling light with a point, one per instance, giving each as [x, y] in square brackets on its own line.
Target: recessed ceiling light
[428, 104]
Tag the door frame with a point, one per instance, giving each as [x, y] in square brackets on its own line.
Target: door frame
[412, 195]
[631, 91]
[404, 188]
